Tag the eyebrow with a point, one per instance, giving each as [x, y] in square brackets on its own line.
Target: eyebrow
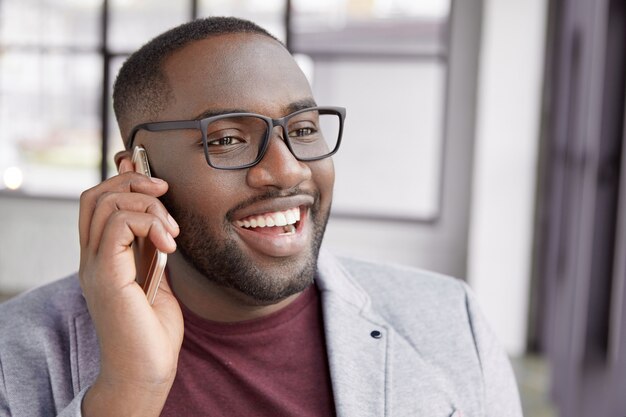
[301, 104]
[290, 108]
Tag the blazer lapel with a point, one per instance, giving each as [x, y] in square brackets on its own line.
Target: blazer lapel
[357, 345]
[357, 351]
[85, 353]
[374, 370]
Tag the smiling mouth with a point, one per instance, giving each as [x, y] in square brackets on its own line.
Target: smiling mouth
[279, 222]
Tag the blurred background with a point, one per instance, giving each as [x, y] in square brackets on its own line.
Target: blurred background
[483, 140]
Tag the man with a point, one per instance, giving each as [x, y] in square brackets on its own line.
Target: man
[252, 319]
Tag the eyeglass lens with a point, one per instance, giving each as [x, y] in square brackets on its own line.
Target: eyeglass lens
[237, 140]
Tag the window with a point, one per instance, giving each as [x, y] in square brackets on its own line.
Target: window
[383, 60]
[50, 73]
[58, 62]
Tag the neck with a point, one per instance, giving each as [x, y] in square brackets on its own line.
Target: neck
[214, 302]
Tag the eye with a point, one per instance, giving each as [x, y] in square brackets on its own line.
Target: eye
[305, 131]
[225, 141]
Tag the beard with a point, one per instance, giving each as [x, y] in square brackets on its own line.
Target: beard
[221, 261]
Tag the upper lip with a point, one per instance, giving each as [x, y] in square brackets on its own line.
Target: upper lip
[273, 205]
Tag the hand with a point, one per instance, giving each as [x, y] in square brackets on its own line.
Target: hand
[139, 343]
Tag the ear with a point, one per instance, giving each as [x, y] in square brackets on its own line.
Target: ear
[119, 159]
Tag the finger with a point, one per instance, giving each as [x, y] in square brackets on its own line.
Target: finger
[165, 295]
[123, 226]
[127, 182]
[121, 156]
[111, 202]
[113, 262]
[125, 166]
[166, 306]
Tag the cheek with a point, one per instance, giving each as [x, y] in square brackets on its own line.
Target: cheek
[194, 186]
[182, 170]
[324, 176]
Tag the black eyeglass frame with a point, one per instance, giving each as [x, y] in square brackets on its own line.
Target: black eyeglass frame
[202, 125]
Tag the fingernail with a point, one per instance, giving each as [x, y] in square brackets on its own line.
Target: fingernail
[171, 239]
[156, 180]
[172, 221]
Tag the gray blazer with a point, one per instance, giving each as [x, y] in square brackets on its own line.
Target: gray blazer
[433, 356]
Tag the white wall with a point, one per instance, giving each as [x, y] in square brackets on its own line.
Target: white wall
[38, 243]
[503, 190]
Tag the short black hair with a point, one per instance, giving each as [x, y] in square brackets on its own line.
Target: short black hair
[141, 88]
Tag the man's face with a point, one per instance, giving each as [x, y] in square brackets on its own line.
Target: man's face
[250, 73]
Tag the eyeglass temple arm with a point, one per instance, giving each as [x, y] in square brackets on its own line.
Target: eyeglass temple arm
[161, 126]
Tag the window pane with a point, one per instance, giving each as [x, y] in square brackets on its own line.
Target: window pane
[269, 14]
[50, 22]
[49, 126]
[135, 22]
[332, 12]
[331, 35]
[390, 158]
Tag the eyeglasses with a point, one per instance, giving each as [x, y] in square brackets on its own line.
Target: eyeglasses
[239, 140]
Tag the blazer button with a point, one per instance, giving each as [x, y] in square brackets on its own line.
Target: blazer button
[376, 334]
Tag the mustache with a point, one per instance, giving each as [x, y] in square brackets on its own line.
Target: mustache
[270, 195]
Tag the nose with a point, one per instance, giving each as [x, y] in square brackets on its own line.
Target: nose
[279, 168]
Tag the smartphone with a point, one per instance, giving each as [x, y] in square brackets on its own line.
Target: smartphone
[149, 261]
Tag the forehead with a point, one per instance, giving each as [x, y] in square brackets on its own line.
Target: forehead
[241, 71]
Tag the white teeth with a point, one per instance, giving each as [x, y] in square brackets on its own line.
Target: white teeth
[279, 218]
[290, 228]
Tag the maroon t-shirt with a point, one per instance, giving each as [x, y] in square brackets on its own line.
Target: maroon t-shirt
[271, 366]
